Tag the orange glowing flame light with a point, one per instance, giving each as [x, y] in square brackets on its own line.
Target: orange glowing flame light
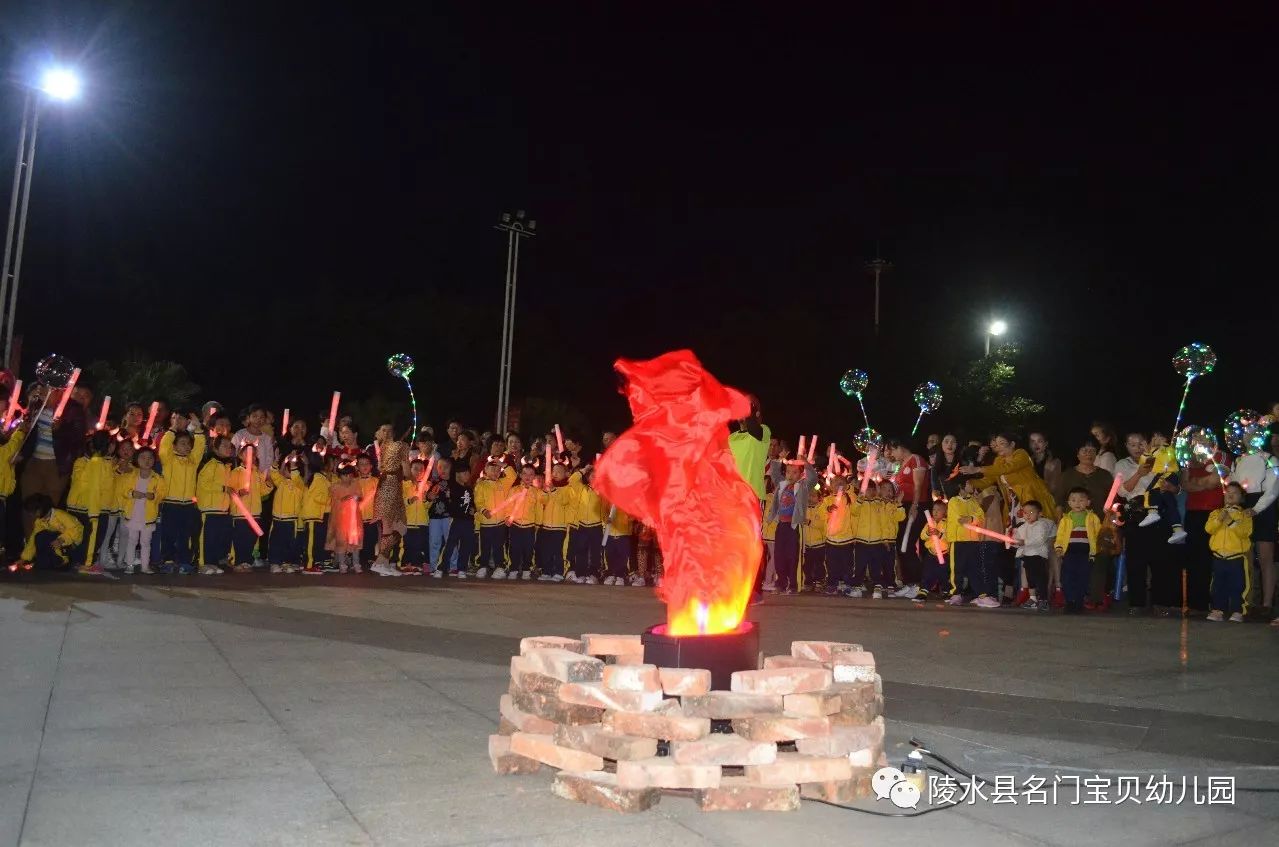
[672, 470]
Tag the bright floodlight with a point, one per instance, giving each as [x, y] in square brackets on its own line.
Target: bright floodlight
[60, 84]
[998, 327]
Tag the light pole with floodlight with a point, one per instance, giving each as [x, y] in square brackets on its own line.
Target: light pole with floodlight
[57, 83]
[516, 229]
[996, 327]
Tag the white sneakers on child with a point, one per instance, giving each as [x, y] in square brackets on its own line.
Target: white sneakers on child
[386, 569]
[906, 592]
[1236, 617]
[590, 580]
[877, 593]
[481, 573]
[985, 601]
[1178, 536]
[1215, 616]
[515, 574]
[955, 600]
[1149, 519]
[438, 573]
[498, 573]
[572, 577]
[526, 575]
[856, 593]
[209, 570]
[638, 582]
[546, 578]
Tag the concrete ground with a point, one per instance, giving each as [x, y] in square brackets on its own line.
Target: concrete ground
[352, 710]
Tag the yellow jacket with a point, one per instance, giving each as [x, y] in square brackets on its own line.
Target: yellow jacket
[93, 485]
[523, 510]
[117, 478]
[1019, 473]
[8, 477]
[934, 541]
[368, 490]
[555, 507]
[416, 513]
[616, 522]
[1092, 525]
[769, 527]
[590, 506]
[68, 528]
[214, 477]
[257, 485]
[491, 493]
[1229, 531]
[890, 514]
[814, 528]
[840, 525]
[315, 505]
[963, 506]
[1163, 460]
[155, 486]
[181, 472]
[289, 492]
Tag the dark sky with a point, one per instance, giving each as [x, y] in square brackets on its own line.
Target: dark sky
[278, 195]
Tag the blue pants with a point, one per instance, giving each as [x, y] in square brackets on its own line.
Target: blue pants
[863, 556]
[492, 547]
[550, 551]
[522, 538]
[243, 538]
[814, 564]
[590, 561]
[786, 549]
[936, 577]
[48, 559]
[879, 564]
[178, 525]
[413, 547]
[311, 543]
[839, 563]
[1076, 572]
[459, 551]
[215, 538]
[617, 555]
[966, 566]
[282, 547]
[1230, 586]
[372, 534]
[438, 530]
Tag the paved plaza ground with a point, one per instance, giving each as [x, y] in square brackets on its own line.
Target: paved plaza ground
[253, 710]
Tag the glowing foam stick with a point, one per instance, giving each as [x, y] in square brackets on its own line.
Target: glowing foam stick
[284, 424]
[941, 557]
[102, 415]
[14, 396]
[812, 449]
[66, 394]
[426, 477]
[548, 467]
[354, 532]
[244, 513]
[1114, 490]
[559, 440]
[989, 533]
[248, 464]
[836, 515]
[830, 460]
[155, 410]
[870, 463]
[800, 453]
[333, 412]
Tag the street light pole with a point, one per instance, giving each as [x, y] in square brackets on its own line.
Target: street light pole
[516, 228]
[25, 160]
[878, 266]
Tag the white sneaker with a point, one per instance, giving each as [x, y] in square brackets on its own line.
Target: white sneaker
[498, 573]
[955, 600]
[209, 570]
[515, 574]
[1215, 616]
[985, 602]
[128, 569]
[619, 582]
[906, 592]
[482, 573]
[557, 577]
[1178, 537]
[146, 569]
[572, 577]
[526, 575]
[459, 575]
[638, 582]
[877, 594]
[590, 580]
[856, 593]
[1149, 519]
[438, 573]
[546, 578]
[1236, 617]
[277, 569]
[608, 580]
[384, 569]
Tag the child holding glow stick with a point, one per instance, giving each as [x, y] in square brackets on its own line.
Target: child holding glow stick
[142, 492]
[345, 530]
[93, 488]
[252, 485]
[213, 493]
[936, 574]
[9, 448]
[439, 495]
[314, 518]
[555, 507]
[590, 528]
[491, 491]
[413, 550]
[371, 527]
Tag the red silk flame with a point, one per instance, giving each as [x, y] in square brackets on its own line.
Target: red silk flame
[673, 471]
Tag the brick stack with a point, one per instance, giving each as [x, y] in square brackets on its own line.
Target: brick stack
[621, 732]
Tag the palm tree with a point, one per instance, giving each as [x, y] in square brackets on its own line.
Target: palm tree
[141, 378]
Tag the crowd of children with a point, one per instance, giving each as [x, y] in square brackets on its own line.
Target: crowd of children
[193, 496]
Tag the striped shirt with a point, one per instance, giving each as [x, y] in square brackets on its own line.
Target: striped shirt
[44, 437]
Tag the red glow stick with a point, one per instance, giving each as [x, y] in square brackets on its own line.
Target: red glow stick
[333, 412]
[244, 513]
[559, 439]
[426, 477]
[830, 459]
[102, 415]
[248, 464]
[870, 463]
[66, 393]
[284, 424]
[941, 558]
[801, 452]
[155, 410]
[354, 532]
[990, 533]
[812, 449]
[14, 396]
[548, 467]
[1114, 490]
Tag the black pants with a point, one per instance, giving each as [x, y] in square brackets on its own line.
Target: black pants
[786, 548]
[314, 534]
[550, 551]
[1076, 570]
[907, 545]
[839, 563]
[522, 547]
[617, 555]
[372, 534]
[1037, 575]
[462, 539]
[414, 546]
[215, 538]
[90, 540]
[492, 547]
[1199, 561]
[243, 539]
[179, 523]
[936, 575]
[282, 544]
[1146, 558]
[46, 558]
[815, 564]
[590, 561]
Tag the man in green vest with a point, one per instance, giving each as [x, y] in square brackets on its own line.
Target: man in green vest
[749, 443]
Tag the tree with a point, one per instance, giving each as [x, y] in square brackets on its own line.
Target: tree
[985, 394]
[140, 378]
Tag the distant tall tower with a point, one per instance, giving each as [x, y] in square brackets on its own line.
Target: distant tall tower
[878, 267]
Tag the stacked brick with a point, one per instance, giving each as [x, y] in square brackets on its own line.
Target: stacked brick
[621, 732]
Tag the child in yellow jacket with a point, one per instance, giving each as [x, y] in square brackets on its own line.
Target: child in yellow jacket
[813, 541]
[588, 536]
[1230, 539]
[180, 454]
[8, 477]
[92, 492]
[491, 492]
[213, 487]
[251, 485]
[966, 560]
[413, 549]
[555, 511]
[936, 573]
[284, 547]
[372, 528]
[54, 535]
[836, 509]
[141, 492]
[521, 514]
[1076, 544]
[617, 544]
[314, 517]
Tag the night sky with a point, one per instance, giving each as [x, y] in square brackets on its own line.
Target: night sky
[279, 195]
